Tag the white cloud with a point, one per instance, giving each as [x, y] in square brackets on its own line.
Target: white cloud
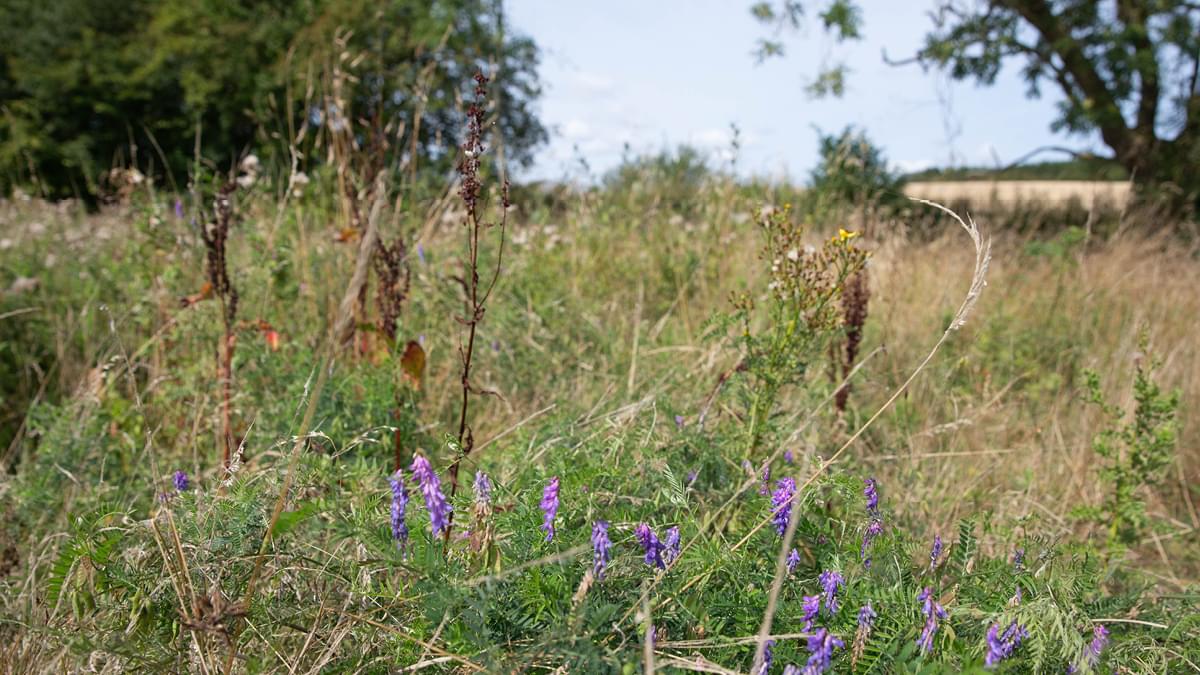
[593, 83]
[575, 129]
[911, 165]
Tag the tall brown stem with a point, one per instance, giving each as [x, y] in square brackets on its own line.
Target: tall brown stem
[476, 295]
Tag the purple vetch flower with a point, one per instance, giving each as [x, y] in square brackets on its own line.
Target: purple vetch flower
[872, 497]
[793, 560]
[768, 657]
[679, 421]
[549, 507]
[811, 607]
[692, 476]
[651, 545]
[179, 209]
[933, 612]
[935, 552]
[483, 488]
[1018, 559]
[781, 503]
[789, 456]
[1099, 642]
[831, 580]
[181, 481]
[399, 507]
[866, 621]
[873, 530]
[765, 488]
[431, 488]
[421, 253]
[820, 649]
[601, 548]
[671, 545]
[1000, 647]
[866, 616]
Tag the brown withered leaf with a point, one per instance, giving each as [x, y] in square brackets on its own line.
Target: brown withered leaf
[204, 294]
[413, 363]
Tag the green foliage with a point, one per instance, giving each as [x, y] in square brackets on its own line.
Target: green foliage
[853, 172]
[93, 536]
[1126, 71]
[798, 317]
[1134, 455]
[84, 88]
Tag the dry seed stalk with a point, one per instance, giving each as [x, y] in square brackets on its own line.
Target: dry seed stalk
[477, 294]
[216, 236]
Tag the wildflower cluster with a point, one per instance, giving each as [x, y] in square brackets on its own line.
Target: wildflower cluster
[1001, 646]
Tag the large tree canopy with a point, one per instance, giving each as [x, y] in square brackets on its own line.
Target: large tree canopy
[1126, 69]
[84, 88]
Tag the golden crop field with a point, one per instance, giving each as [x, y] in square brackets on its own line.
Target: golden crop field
[1009, 192]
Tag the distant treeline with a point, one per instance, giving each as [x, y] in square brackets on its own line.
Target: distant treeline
[1092, 168]
[175, 87]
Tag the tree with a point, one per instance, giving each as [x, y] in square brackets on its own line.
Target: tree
[84, 88]
[1127, 70]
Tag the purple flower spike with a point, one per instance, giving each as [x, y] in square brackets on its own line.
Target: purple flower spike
[781, 503]
[830, 582]
[550, 507]
[399, 507]
[679, 421]
[812, 607]
[793, 560]
[431, 488]
[866, 616]
[651, 545]
[692, 476]
[1000, 647]
[820, 649]
[872, 497]
[765, 488]
[1099, 642]
[601, 548]
[933, 612]
[483, 488]
[671, 545]
[181, 481]
[935, 552]
[789, 456]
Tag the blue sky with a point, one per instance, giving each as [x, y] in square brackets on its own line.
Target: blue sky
[658, 73]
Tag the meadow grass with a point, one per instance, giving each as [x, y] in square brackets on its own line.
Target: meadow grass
[600, 352]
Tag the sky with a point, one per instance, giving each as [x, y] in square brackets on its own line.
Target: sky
[654, 74]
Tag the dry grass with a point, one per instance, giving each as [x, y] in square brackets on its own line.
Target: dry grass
[1001, 418]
